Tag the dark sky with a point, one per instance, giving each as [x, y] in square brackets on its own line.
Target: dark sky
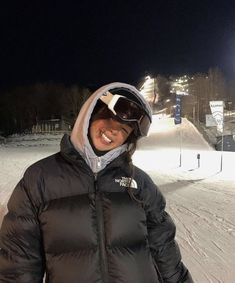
[96, 42]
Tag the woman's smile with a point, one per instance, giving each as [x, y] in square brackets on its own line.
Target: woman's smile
[105, 138]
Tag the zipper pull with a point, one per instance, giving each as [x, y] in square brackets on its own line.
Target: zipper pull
[95, 176]
[99, 162]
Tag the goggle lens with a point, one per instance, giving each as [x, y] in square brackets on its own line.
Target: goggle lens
[128, 110]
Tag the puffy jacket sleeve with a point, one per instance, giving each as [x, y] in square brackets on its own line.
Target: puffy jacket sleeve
[161, 233]
[21, 256]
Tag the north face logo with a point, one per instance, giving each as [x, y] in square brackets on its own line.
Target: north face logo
[125, 182]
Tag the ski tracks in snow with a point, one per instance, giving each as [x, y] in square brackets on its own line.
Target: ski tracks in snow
[205, 226]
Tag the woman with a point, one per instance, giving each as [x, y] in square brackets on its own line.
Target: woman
[87, 214]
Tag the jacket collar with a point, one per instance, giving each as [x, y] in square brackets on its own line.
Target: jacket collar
[70, 153]
[68, 150]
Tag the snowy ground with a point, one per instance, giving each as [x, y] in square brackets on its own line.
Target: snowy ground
[200, 197]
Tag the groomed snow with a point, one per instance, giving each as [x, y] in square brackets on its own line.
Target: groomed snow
[200, 196]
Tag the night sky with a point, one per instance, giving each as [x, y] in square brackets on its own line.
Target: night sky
[96, 42]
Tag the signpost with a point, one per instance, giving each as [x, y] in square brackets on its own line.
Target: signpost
[217, 110]
[178, 120]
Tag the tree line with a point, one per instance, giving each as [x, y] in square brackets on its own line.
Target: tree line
[204, 88]
[22, 107]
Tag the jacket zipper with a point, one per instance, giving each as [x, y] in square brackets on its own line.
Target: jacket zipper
[101, 234]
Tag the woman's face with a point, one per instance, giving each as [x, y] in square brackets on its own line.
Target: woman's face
[107, 134]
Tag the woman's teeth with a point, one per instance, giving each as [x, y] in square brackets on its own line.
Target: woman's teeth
[106, 138]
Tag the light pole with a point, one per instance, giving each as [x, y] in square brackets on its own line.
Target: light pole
[229, 107]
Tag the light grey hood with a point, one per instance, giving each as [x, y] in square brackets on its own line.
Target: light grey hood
[79, 135]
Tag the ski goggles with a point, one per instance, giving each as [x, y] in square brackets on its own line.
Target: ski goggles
[127, 111]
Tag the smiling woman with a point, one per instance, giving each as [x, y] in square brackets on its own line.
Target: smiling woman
[87, 214]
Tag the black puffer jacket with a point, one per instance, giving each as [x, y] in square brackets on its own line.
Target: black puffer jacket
[81, 228]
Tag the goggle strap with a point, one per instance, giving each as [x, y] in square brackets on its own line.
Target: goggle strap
[113, 102]
[110, 100]
[106, 97]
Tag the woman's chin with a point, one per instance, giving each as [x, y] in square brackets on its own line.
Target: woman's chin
[102, 146]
